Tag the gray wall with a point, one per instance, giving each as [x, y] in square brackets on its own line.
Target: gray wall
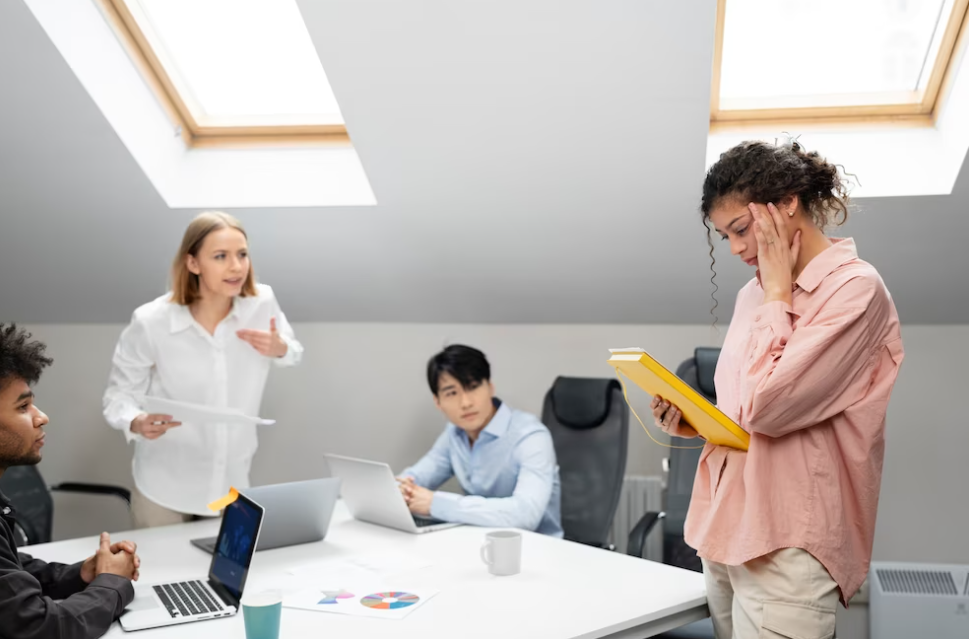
[361, 391]
[544, 168]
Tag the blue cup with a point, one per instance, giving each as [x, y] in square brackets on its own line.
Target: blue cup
[262, 612]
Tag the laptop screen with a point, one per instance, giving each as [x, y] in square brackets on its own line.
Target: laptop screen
[235, 544]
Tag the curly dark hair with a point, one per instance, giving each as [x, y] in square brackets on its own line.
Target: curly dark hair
[20, 358]
[760, 172]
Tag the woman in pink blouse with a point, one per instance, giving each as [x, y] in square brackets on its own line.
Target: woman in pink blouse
[785, 529]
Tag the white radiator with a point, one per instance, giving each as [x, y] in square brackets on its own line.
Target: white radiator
[918, 600]
[638, 496]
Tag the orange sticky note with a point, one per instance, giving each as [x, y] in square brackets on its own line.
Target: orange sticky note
[222, 502]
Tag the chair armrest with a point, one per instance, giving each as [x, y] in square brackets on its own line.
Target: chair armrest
[637, 538]
[94, 489]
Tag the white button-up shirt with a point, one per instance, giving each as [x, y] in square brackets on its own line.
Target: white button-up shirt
[165, 353]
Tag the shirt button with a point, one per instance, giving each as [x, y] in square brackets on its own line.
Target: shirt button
[757, 319]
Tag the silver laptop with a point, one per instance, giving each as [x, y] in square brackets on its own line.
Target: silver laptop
[297, 512]
[371, 493]
[167, 604]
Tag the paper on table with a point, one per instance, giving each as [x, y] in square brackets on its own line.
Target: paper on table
[199, 413]
[369, 601]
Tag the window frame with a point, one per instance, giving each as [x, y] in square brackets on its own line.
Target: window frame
[194, 134]
[920, 112]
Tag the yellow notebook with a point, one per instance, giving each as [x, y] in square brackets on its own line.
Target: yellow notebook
[708, 420]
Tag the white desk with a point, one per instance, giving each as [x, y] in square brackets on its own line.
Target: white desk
[565, 590]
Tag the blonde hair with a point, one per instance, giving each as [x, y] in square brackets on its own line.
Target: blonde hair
[185, 283]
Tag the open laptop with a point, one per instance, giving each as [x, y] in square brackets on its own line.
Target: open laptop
[371, 493]
[297, 512]
[167, 604]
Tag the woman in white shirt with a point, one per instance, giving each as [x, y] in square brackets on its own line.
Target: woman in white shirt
[209, 341]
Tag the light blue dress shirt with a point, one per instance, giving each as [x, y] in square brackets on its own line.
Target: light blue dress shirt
[510, 476]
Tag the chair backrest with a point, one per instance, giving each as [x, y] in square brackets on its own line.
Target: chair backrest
[589, 422]
[34, 507]
[698, 372]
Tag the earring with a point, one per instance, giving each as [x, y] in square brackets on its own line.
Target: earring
[791, 214]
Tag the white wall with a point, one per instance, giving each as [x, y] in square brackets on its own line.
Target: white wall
[361, 391]
[924, 507]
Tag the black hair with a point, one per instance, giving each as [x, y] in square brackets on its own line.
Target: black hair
[20, 358]
[466, 364]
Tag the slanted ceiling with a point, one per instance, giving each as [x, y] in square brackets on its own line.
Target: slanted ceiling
[532, 162]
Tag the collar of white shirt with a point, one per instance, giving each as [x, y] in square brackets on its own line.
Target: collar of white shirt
[181, 317]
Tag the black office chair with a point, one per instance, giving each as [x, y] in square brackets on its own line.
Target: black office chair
[31, 498]
[698, 372]
[589, 422]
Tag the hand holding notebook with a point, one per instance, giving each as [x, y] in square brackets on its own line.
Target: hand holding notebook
[668, 417]
[695, 410]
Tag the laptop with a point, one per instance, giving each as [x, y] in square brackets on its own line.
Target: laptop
[177, 602]
[297, 512]
[371, 492]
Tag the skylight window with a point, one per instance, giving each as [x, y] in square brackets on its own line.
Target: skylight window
[231, 69]
[832, 58]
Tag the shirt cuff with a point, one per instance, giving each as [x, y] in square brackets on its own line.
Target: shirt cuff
[444, 506]
[120, 418]
[71, 578]
[294, 352]
[125, 420]
[121, 585]
[774, 314]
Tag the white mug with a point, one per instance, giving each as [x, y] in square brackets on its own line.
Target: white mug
[502, 551]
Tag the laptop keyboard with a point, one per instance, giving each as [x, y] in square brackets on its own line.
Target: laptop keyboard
[187, 599]
[424, 522]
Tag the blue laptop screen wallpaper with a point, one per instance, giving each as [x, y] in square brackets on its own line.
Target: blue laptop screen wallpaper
[235, 545]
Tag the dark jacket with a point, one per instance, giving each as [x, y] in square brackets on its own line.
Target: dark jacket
[29, 588]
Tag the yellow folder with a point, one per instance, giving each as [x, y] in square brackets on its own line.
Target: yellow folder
[708, 420]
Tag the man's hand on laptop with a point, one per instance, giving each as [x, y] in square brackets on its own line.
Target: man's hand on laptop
[115, 559]
[406, 485]
[417, 497]
[419, 501]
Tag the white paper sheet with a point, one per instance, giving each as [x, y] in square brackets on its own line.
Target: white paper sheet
[368, 601]
[200, 414]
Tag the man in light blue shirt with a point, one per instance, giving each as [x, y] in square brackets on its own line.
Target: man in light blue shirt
[503, 458]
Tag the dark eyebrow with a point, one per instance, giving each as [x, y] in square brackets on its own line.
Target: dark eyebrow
[447, 388]
[732, 222]
[25, 395]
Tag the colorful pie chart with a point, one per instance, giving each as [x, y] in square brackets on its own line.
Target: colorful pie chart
[331, 596]
[390, 600]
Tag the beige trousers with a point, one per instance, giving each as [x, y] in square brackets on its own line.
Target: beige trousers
[147, 514]
[786, 594]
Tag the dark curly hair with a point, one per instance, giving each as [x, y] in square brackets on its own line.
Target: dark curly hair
[760, 172]
[20, 358]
